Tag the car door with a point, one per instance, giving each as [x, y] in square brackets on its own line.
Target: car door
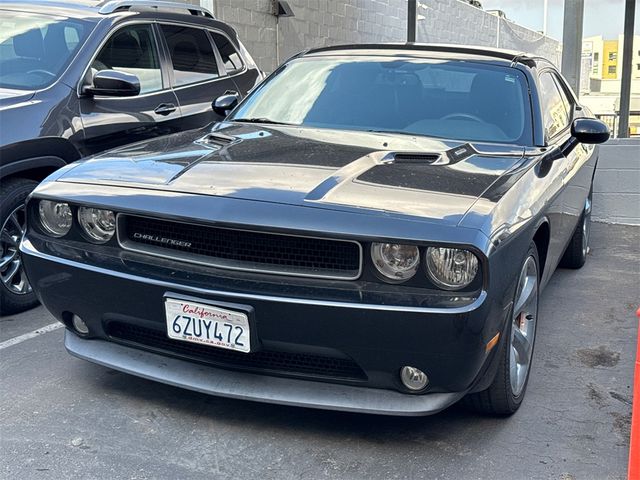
[197, 74]
[557, 132]
[580, 163]
[112, 121]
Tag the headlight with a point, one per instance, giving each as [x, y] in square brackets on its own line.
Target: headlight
[98, 224]
[451, 268]
[55, 217]
[395, 261]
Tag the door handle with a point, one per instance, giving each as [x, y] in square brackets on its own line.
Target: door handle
[165, 109]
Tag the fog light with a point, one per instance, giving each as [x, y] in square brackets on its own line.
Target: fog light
[79, 325]
[413, 378]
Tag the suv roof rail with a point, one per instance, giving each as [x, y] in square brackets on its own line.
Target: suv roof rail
[112, 6]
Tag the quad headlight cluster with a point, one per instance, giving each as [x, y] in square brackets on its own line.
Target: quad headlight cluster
[448, 268]
[97, 225]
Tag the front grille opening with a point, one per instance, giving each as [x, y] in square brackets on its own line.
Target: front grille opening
[264, 360]
[242, 249]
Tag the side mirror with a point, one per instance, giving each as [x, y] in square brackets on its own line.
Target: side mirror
[114, 84]
[225, 103]
[589, 130]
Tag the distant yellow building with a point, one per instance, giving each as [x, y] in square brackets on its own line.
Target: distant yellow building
[609, 69]
[605, 57]
[601, 79]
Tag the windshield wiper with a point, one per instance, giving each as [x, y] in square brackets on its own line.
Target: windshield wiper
[260, 120]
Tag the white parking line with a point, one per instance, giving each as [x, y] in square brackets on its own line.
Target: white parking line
[27, 336]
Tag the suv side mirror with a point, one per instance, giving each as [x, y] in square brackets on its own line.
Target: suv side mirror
[589, 130]
[225, 103]
[114, 84]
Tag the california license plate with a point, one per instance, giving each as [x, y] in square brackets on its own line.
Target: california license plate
[207, 325]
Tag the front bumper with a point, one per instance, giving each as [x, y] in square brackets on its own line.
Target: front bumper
[448, 343]
[248, 386]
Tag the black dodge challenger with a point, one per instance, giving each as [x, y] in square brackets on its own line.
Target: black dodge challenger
[369, 230]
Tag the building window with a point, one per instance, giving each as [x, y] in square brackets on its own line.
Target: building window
[638, 66]
[596, 56]
[613, 56]
[612, 69]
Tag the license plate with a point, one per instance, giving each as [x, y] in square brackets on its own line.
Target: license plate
[207, 325]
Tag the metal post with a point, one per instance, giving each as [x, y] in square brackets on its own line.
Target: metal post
[572, 42]
[627, 56]
[411, 20]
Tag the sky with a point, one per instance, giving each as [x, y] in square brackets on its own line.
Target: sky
[601, 17]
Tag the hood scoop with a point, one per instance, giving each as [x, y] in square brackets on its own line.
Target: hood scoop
[215, 138]
[421, 158]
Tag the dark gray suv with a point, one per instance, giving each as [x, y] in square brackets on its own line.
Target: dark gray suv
[82, 77]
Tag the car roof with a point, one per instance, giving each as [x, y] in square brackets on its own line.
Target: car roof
[104, 8]
[430, 50]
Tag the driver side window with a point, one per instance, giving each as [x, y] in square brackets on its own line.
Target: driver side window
[132, 50]
[554, 109]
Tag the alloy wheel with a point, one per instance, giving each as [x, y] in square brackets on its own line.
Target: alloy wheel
[523, 330]
[12, 272]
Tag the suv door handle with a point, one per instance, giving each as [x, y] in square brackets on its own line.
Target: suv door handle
[165, 108]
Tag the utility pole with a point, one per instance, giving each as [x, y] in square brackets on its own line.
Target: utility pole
[411, 20]
[627, 56]
[572, 42]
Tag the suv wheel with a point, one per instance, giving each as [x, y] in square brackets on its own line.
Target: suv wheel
[16, 293]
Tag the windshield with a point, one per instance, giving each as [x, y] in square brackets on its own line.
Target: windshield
[35, 49]
[449, 99]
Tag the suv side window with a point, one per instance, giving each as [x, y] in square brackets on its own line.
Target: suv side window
[133, 50]
[554, 111]
[191, 53]
[230, 56]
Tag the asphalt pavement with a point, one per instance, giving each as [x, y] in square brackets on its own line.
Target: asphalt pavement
[61, 417]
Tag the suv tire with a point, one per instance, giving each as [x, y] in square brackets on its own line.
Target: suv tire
[16, 294]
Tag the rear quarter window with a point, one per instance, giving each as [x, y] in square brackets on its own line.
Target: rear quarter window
[230, 57]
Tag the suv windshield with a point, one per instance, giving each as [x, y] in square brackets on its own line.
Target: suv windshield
[35, 49]
[450, 99]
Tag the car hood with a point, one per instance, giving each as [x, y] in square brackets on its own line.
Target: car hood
[321, 168]
[10, 97]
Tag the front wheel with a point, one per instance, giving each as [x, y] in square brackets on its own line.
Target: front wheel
[16, 293]
[505, 394]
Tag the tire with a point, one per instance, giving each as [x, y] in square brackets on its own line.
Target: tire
[575, 255]
[16, 295]
[505, 394]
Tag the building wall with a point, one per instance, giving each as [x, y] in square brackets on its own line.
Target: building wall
[319, 23]
[635, 60]
[616, 187]
[592, 48]
[599, 49]
[316, 23]
[452, 21]
[610, 60]
[329, 22]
